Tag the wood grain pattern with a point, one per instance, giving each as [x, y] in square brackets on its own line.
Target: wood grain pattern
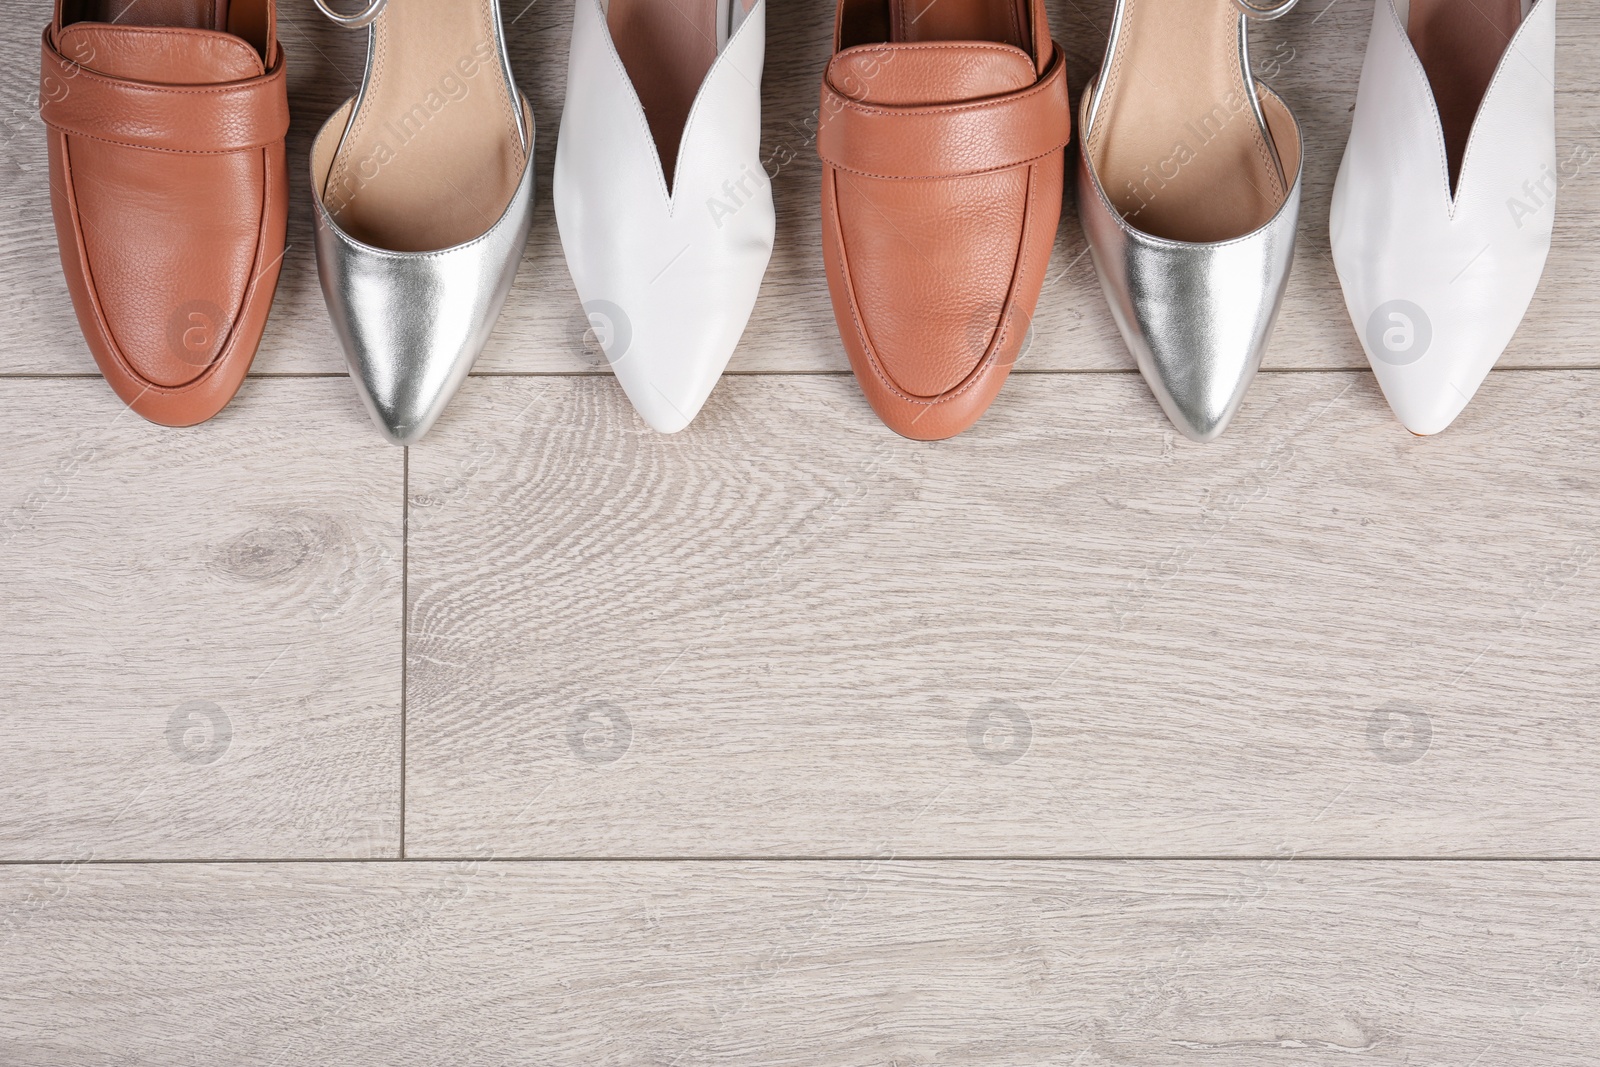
[201, 628]
[789, 635]
[1067, 632]
[1313, 56]
[876, 962]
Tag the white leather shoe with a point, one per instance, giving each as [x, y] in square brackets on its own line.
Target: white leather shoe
[668, 273]
[1436, 283]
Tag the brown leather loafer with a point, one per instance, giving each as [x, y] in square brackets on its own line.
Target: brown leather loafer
[168, 182]
[942, 136]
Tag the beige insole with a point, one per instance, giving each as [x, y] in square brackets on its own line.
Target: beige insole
[433, 153]
[1460, 43]
[1005, 21]
[1175, 141]
[667, 48]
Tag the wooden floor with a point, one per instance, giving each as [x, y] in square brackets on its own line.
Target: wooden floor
[784, 740]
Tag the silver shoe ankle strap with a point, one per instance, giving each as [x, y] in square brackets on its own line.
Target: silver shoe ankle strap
[375, 8]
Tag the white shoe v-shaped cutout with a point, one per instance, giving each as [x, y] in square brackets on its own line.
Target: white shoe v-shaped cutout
[1436, 283]
[667, 277]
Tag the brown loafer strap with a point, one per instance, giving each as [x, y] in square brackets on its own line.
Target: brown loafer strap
[208, 119]
[946, 140]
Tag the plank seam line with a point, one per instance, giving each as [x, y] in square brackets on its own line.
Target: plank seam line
[813, 860]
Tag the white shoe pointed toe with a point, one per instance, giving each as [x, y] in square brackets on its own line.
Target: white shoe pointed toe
[668, 387]
[1436, 280]
[667, 275]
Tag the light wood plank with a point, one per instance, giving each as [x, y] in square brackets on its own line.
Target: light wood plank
[789, 632]
[1313, 56]
[872, 962]
[201, 628]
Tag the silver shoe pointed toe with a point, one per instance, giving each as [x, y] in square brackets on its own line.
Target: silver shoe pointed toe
[1196, 314]
[1197, 317]
[424, 191]
[413, 323]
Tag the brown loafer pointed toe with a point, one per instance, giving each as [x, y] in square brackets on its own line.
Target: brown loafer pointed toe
[942, 133]
[170, 192]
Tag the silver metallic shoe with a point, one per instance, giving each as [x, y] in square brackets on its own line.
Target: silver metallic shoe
[1189, 192]
[424, 192]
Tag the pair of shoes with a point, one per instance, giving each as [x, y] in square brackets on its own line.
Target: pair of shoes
[169, 190]
[1445, 202]
[942, 134]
